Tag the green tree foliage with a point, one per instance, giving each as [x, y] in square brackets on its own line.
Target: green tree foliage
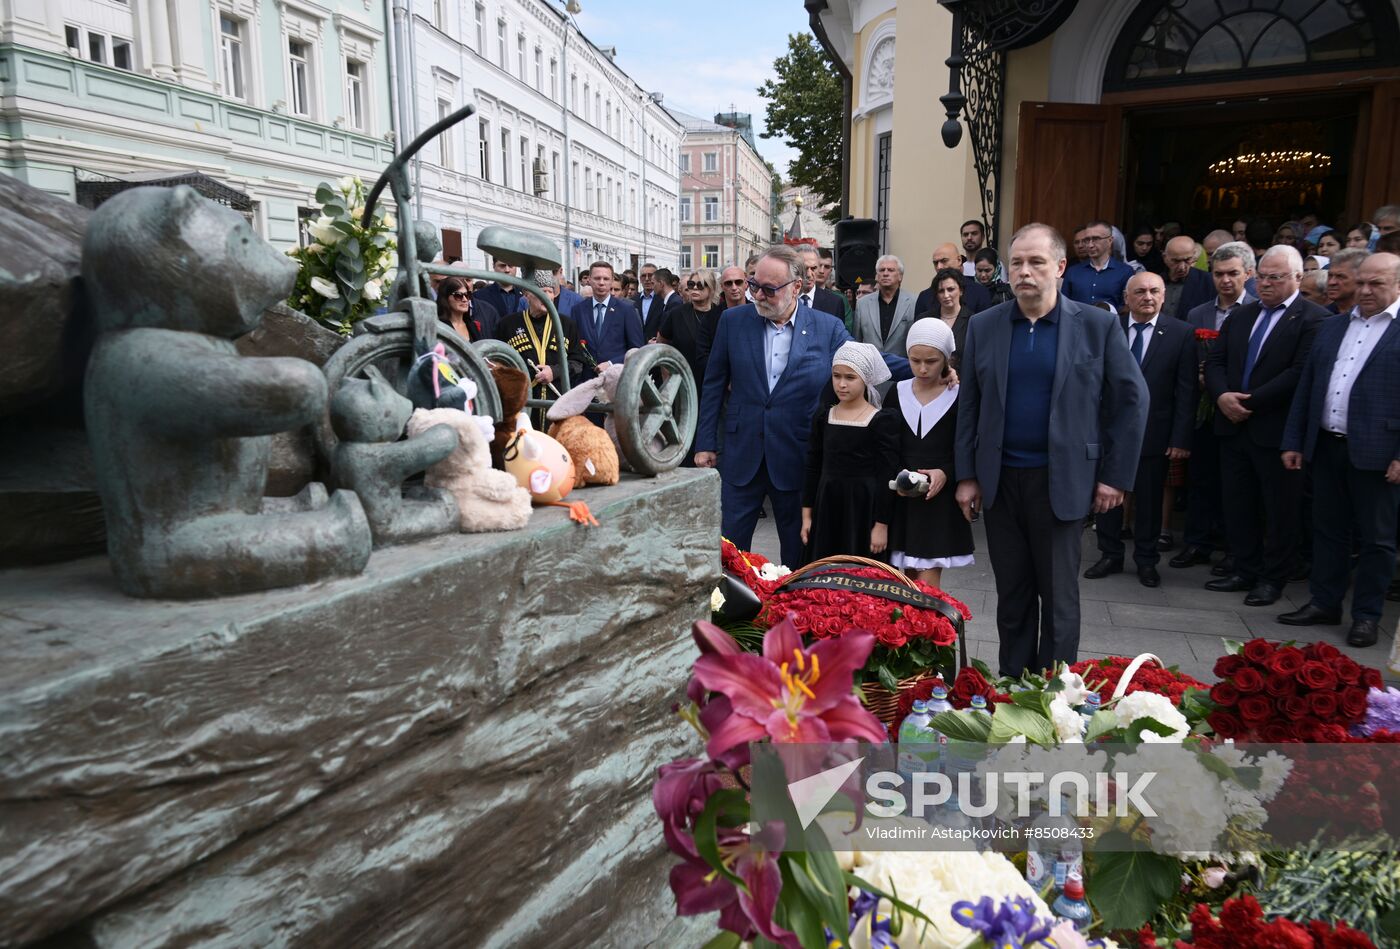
[804, 111]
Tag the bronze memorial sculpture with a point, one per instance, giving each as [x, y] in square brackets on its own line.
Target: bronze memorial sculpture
[179, 422]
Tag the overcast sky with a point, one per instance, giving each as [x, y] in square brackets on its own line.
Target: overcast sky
[704, 59]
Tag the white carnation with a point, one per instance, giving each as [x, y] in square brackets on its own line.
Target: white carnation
[1069, 724]
[325, 288]
[772, 571]
[347, 184]
[1159, 708]
[1189, 799]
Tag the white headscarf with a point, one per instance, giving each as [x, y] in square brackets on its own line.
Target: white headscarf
[866, 360]
[930, 331]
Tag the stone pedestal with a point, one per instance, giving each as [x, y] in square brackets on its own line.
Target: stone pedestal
[455, 748]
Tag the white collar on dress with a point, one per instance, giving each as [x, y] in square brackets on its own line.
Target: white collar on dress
[922, 418]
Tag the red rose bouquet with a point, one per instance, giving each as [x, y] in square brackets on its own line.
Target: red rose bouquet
[1269, 692]
[1204, 339]
[970, 681]
[1102, 676]
[908, 639]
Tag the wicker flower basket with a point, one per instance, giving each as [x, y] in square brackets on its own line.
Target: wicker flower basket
[881, 702]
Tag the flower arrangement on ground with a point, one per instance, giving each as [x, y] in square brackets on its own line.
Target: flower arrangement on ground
[348, 268]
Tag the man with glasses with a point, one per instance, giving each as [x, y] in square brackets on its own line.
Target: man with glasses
[813, 294]
[1099, 277]
[1187, 285]
[772, 357]
[1251, 372]
[974, 296]
[647, 277]
[734, 284]
[1341, 422]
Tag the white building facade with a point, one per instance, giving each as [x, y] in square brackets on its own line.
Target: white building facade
[564, 143]
[268, 97]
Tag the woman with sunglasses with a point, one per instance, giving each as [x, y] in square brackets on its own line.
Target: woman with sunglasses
[458, 310]
[690, 327]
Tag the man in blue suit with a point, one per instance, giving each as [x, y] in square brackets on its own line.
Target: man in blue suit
[1051, 419]
[608, 325]
[1345, 421]
[772, 357]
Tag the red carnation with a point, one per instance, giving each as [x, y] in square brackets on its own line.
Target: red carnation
[1258, 650]
[1317, 674]
[1287, 660]
[1248, 679]
[1224, 694]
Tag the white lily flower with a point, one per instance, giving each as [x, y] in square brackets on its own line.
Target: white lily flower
[324, 230]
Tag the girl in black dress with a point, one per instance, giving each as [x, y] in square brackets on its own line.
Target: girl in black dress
[929, 533]
[851, 455]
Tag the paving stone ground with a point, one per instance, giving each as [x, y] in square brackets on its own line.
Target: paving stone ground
[1180, 621]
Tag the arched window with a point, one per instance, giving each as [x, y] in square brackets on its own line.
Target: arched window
[1168, 42]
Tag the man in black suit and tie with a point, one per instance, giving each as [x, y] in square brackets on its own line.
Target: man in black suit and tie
[1165, 351]
[668, 297]
[1343, 421]
[813, 295]
[1051, 415]
[975, 296]
[1252, 372]
[1231, 268]
[609, 326]
[646, 277]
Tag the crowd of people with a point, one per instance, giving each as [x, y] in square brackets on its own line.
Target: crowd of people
[1246, 379]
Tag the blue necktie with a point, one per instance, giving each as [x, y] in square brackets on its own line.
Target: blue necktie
[1136, 347]
[599, 310]
[1256, 342]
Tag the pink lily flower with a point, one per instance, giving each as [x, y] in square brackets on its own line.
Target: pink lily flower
[742, 910]
[790, 693]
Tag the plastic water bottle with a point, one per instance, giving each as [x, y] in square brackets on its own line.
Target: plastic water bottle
[958, 755]
[1071, 905]
[1039, 851]
[916, 739]
[1070, 861]
[1090, 706]
[937, 703]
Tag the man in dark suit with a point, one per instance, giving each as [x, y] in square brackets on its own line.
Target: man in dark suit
[1050, 424]
[1345, 420]
[668, 296]
[814, 295]
[501, 298]
[1232, 267]
[772, 357]
[1187, 285]
[1252, 371]
[1165, 350]
[975, 296]
[609, 326]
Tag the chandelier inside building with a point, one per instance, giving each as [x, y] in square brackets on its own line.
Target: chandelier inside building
[1285, 168]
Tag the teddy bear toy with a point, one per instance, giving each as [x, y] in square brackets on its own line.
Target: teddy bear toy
[577, 400]
[487, 499]
[543, 467]
[180, 424]
[368, 417]
[513, 388]
[595, 457]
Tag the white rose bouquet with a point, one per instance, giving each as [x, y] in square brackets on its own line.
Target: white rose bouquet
[347, 267]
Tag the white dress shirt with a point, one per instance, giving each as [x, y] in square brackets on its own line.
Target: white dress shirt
[1146, 334]
[1360, 341]
[777, 346]
[808, 298]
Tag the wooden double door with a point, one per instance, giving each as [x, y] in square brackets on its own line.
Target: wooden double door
[1074, 163]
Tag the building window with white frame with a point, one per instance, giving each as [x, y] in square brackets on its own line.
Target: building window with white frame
[554, 79]
[233, 66]
[527, 182]
[445, 157]
[440, 14]
[685, 162]
[299, 78]
[501, 45]
[710, 258]
[355, 95]
[685, 257]
[481, 30]
[685, 209]
[520, 56]
[573, 184]
[505, 157]
[554, 181]
[710, 162]
[711, 209]
[483, 147]
[588, 189]
[607, 118]
[539, 69]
